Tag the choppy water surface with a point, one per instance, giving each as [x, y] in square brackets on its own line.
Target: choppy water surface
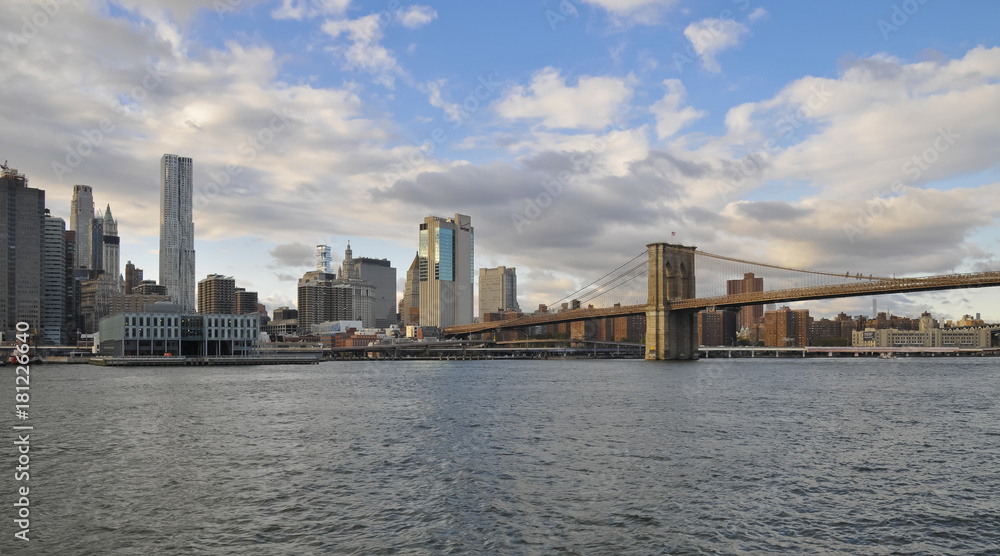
[516, 457]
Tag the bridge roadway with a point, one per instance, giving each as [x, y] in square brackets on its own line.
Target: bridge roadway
[861, 288]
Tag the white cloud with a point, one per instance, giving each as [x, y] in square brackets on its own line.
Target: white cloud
[839, 142]
[300, 9]
[362, 49]
[639, 11]
[759, 13]
[433, 89]
[860, 133]
[670, 116]
[360, 45]
[594, 103]
[417, 16]
[709, 37]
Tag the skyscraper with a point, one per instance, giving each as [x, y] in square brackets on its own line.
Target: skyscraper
[410, 313]
[70, 323]
[97, 243]
[23, 212]
[177, 230]
[324, 259]
[447, 259]
[110, 243]
[80, 215]
[497, 290]
[380, 274]
[54, 281]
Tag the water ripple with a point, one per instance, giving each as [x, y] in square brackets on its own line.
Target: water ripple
[581, 457]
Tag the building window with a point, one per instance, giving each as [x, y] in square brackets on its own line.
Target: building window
[444, 255]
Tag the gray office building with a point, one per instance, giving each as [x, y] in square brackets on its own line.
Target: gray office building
[497, 290]
[22, 229]
[380, 274]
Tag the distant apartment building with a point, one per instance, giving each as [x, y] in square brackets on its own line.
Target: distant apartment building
[150, 287]
[284, 313]
[447, 260]
[246, 301]
[284, 322]
[969, 320]
[786, 328]
[831, 332]
[749, 315]
[134, 302]
[323, 297]
[497, 290]
[717, 327]
[927, 322]
[217, 295]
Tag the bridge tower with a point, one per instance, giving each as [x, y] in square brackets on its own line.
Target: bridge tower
[670, 334]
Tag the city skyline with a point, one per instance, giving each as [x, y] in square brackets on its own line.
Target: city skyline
[868, 150]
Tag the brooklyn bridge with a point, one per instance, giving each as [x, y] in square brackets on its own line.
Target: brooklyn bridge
[663, 283]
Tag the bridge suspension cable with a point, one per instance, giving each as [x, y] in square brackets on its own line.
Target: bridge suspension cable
[777, 267]
[640, 270]
[589, 289]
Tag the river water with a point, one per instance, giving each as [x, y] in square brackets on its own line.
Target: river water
[512, 457]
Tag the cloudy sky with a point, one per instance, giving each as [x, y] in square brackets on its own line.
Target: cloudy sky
[859, 135]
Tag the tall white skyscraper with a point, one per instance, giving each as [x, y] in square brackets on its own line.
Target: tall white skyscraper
[447, 259]
[111, 244]
[177, 271]
[80, 214]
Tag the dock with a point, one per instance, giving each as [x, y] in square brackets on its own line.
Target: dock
[179, 361]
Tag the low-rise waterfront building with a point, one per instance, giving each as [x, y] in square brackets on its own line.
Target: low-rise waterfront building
[962, 338]
[165, 330]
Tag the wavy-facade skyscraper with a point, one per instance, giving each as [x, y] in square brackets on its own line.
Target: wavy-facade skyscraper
[177, 270]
